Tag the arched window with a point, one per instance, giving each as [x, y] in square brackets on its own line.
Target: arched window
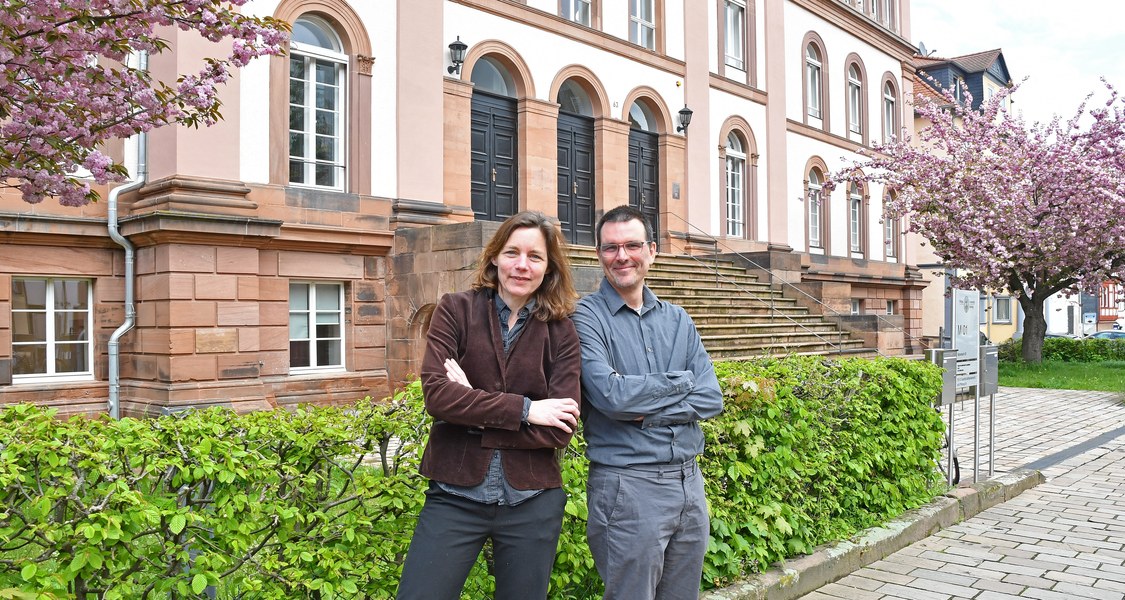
[490, 76]
[890, 112]
[813, 81]
[855, 103]
[317, 80]
[573, 99]
[736, 187]
[816, 210]
[641, 117]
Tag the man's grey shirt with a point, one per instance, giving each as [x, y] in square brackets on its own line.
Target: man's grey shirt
[646, 364]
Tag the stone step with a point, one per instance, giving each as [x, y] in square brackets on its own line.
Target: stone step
[778, 328]
[738, 315]
[765, 319]
[687, 290]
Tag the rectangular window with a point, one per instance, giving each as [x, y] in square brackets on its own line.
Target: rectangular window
[1002, 309]
[642, 23]
[316, 326]
[814, 89]
[576, 10]
[892, 307]
[735, 168]
[814, 218]
[856, 307]
[855, 102]
[51, 321]
[316, 121]
[889, 120]
[855, 223]
[735, 34]
[889, 237]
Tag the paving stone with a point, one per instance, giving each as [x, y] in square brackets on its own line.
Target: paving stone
[1061, 540]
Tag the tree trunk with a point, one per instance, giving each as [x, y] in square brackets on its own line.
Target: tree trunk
[1034, 330]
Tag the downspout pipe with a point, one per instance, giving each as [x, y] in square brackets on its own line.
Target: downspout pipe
[130, 267]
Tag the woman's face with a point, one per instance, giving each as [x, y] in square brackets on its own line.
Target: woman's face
[520, 266]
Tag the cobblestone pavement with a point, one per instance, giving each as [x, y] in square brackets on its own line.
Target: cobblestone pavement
[1062, 540]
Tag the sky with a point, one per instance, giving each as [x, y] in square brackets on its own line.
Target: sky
[1062, 48]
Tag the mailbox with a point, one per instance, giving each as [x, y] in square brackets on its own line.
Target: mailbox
[947, 359]
[989, 370]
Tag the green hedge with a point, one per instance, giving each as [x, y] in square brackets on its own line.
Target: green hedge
[279, 504]
[1068, 350]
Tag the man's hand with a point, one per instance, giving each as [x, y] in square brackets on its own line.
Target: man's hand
[554, 412]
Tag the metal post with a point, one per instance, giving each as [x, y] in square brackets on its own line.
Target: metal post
[949, 450]
[976, 433]
[991, 432]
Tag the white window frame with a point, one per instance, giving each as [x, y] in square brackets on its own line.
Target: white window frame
[313, 56]
[734, 36]
[855, 221]
[736, 187]
[51, 340]
[855, 104]
[890, 238]
[816, 206]
[997, 316]
[814, 77]
[857, 307]
[890, 105]
[312, 314]
[572, 10]
[642, 30]
[892, 307]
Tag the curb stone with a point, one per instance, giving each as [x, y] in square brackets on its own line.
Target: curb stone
[796, 577]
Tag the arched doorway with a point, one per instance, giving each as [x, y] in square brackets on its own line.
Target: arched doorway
[644, 165]
[576, 164]
[495, 168]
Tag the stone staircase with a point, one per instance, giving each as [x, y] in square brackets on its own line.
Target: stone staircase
[737, 315]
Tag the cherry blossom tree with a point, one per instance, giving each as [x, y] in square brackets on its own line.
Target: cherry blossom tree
[1034, 209]
[67, 85]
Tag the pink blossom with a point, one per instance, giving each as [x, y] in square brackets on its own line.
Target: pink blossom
[1033, 209]
[64, 91]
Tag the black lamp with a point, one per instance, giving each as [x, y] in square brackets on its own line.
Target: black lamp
[457, 55]
[685, 118]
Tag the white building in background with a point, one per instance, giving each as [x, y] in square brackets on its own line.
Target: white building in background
[272, 265]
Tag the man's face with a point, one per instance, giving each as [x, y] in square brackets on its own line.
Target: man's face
[625, 264]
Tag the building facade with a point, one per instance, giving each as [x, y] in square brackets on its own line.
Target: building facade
[292, 252]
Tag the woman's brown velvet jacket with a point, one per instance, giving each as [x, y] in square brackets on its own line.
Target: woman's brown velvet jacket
[469, 424]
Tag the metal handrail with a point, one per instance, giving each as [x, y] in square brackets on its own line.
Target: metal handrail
[775, 279]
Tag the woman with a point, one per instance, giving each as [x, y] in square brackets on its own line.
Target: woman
[501, 379]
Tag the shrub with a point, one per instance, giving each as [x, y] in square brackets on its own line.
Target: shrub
[275, 504]
[282, 504]
[810, 450]
[1068, 350]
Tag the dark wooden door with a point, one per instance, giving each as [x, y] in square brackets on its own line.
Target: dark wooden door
[495, 169]
[576, 178]
[644, 177]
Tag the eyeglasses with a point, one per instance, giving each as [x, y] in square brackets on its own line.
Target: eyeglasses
[631, 248]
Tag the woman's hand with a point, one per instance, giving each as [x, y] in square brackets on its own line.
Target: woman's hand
[554, 412]
[454, 373]
[549, 412]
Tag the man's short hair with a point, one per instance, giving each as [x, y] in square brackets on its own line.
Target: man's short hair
[624, 214]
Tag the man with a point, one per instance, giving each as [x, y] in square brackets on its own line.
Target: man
[646, 383]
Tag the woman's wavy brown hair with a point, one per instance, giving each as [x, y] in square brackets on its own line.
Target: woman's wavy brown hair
[556, 297]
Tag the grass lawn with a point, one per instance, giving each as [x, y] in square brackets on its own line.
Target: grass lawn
[1106, 376]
